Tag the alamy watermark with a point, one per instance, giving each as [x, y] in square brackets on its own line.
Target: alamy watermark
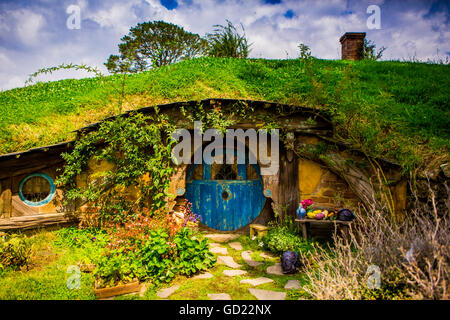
[74, 280]
[74, 19]
[235, 139]
[374, 20]
[374, 279]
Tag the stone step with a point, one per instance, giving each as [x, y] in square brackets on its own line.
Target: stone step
[261, 294]
[228, 261]
[275, 269]
[165, 293]
[236, 245]
[219, 250]
[222, 237]
[233, 273]
[257, 281]
[292, 284]
[219, 296]
[205, 275]
[247, 256]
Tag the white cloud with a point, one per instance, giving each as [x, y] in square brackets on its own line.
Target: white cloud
[28, 26]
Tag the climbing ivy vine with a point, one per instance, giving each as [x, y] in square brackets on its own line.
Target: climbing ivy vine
[137, 149]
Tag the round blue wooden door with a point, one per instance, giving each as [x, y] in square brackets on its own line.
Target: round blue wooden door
[226, 196]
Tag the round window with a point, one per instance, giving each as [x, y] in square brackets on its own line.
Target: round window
[37, 189]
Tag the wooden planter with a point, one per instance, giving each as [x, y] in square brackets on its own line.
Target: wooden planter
[131, 287]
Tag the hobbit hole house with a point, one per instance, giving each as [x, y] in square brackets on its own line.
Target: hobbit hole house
[228, 197]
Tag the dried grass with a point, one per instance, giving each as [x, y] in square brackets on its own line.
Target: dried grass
[412, 255]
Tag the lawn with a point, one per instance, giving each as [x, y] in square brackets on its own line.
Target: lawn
[47, 276]
[397, 110]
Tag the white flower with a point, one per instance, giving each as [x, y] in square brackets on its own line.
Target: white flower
[254, 238]
[261, 244]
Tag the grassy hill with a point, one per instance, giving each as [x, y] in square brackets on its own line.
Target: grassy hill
[397, 110]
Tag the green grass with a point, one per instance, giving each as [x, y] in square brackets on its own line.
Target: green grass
[398, 110]
[47, 276]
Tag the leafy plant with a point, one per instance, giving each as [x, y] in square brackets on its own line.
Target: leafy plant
[194, 254]
[15, 251]
[305, 52]
[159, 258]
[226, 41]
[280, 239]
[117, 268]
[368, 50]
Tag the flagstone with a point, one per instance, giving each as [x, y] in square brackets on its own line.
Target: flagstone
[275, 269]
[247, 256]
[236, 245]
[164, 293]
[218, 249]
[292, 284]
[222, 237]
[257, 281]
[266, 255]
[219, 296]
[143, 289]
[228, 261]
[267, 294]
[205, 275]
[233, 273]
[214, 244]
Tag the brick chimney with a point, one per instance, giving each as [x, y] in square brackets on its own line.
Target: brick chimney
[351, 45]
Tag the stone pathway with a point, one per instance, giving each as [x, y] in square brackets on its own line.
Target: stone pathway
[275, 269]
[219, 247]
[219, 296]
[165, 293]
[257, 281]
[292, 284]
[233, 273]
[267, 294]
[247, 256]
[228, 261]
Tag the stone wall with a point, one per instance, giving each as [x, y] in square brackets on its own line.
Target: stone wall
[323, 187]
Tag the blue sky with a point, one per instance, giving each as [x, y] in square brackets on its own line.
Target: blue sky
[33, 34]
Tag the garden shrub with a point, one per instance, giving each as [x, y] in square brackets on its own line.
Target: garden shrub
[158, 258]
[282, 238]
[193, 254]
[117, 267]
[15, 251]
